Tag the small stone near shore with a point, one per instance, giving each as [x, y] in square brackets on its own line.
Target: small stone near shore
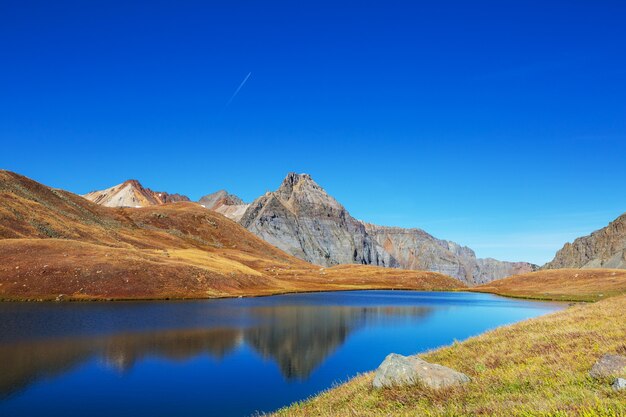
[398, 370]
[619, 384]
[609, 365]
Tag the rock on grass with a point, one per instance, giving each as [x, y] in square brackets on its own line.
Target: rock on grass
[398, 370]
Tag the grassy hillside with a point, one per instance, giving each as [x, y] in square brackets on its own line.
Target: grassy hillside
[53, 242]
[561, 284]
[538, 367]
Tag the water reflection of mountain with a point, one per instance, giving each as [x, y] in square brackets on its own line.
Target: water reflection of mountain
[25, 362]
[298, 338]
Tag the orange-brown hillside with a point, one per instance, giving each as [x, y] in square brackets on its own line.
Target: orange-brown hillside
[563, 284]
[54, 242]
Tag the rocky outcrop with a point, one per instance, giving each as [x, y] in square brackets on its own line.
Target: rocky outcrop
[303, 220]
[609, 365]
[416, 249]
[132, 194]
[398, 370]
[604, 248]
[224, 203]
[489, 269]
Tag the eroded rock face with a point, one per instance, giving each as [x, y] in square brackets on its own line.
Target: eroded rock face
[609, 365]
[416, 249]
[489, 269]
[303, 220]
[398, 370]
[604, 248]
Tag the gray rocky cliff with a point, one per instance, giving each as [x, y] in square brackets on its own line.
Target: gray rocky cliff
[416, 249]
[604, 248]
[303, 220]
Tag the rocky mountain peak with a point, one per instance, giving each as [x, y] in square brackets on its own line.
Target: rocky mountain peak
[295, 183]
[220, 198]
[132, 183]
[131, 193]
[301, 194]
[302, 219]
[225, 203]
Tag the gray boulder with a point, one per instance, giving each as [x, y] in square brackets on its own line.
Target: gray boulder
[398, 370]
[609, 365]
[619, 384]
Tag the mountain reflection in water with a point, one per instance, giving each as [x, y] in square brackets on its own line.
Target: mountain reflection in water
[297, 337]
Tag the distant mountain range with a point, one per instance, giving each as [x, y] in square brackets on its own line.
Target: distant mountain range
[305, 221]
[58, 245]
[132, 194]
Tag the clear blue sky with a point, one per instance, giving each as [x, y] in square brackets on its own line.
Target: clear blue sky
[497, 124]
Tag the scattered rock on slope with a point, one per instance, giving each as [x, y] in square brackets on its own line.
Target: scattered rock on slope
[398, 370]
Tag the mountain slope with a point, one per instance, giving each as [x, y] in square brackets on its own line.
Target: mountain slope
[561, 284]
[303, 220]
[132, 194]
[55, 244]
[604, 248]
[224, 203]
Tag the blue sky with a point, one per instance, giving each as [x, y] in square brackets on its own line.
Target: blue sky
[500, 125]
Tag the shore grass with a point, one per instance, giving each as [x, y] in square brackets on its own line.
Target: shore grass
[537, 367]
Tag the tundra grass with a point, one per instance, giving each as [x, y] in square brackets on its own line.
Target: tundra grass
[537, 367]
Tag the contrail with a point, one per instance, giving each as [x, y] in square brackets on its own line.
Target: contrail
[238, 88]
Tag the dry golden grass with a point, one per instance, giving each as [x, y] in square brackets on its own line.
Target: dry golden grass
[561, 284]
[41, 269]
[538, 367]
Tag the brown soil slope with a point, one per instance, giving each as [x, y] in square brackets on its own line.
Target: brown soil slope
[54, 242]
[563, 284]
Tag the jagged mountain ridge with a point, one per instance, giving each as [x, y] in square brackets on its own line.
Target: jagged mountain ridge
[131, 193]
[417, 249]
[302, 219]
[604, 248]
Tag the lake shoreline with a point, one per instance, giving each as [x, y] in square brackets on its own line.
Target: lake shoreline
[496, 366]
[70, 299]
[298, 344]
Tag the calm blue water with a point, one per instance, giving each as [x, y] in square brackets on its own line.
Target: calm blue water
[221, 357]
